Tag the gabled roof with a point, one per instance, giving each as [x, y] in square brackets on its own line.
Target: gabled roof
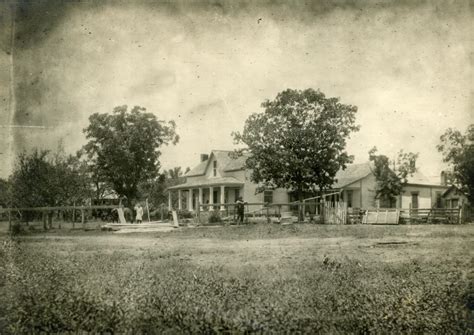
[198, 170]
[237, 163]
[222, 156]
[419, 178]
[351, 174]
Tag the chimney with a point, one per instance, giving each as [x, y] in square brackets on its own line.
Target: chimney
[204, 157]
[446, 178]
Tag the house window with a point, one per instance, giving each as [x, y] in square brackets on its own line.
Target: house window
[438, 199]
[414, 200]
[237, 193]
[388, 202]
[214, 168]
[454, 203]
[268, 197]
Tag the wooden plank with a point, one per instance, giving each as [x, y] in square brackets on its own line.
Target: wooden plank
[175, 219]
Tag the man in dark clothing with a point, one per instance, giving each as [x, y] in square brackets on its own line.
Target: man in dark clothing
[240, 210]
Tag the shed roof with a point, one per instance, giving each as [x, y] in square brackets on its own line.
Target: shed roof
[351, 174]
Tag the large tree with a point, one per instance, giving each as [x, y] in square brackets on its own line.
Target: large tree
[40, 179]
[458, 150]
[299, 141]
[391, 175]
[124, 147]
[156, 189]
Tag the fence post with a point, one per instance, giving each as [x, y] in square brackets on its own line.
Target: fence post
[198, 210]
[147, 209]
[409, 213]
[9, 220]
[299, 212]
[83, 219]
[460, 214]
[44, 221]
[304, 210]
[50, 219]
[268, 214]
[323, 210]
[73, 215]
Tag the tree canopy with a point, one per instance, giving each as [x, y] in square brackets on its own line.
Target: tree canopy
[299, 141]
[458, 150]
[124, 147]
[41, 179]
[391, 175]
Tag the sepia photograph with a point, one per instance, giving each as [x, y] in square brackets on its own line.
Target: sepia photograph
[236, 167]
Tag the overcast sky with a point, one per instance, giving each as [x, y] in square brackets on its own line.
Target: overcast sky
[407, 67]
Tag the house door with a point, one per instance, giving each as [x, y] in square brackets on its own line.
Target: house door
[215, 198]
[414, 200]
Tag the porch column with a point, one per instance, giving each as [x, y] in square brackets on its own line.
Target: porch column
[211, 197]
[222, 198]
[190, 199]
[170, 206]
[200, 199]
[180, 205]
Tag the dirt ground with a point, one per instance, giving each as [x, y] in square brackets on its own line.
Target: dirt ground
[270, 244]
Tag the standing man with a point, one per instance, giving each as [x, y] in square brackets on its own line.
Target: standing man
[139, 210]
[240, 210]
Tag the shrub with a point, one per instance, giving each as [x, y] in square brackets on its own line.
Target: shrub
[17, 229]
[185, 214]
[214, 217]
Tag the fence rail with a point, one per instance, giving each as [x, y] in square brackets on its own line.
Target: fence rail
[300, 211]
[47, 216]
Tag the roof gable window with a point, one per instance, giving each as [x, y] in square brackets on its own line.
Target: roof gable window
[214, 168]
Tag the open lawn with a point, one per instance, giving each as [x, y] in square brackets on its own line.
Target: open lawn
[257, 278]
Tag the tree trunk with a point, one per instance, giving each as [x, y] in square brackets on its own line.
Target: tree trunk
[323, 205]
[300, 208]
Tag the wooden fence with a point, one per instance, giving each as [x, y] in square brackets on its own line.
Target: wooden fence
[338, 213]
[323, 212]
[47, 213]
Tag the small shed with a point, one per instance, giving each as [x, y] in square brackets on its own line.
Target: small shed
[453, 197]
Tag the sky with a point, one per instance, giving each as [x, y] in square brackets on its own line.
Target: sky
[407, 66]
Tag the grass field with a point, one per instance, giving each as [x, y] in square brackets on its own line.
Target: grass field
[258, 278]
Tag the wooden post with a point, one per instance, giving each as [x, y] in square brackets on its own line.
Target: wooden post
[304, 210]
[147, 209]
[268, 214]
[198, 212]
[73, 214]
[299, 212]
[409, 213]
[323, 210]
[50, 219]
[44, 221]
[9, 220]
[83, 219]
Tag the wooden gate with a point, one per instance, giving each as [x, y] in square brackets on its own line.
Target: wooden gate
[334, 212]
[381, 216]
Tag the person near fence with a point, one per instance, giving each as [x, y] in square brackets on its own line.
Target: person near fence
[240, 210]
[139, 210]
